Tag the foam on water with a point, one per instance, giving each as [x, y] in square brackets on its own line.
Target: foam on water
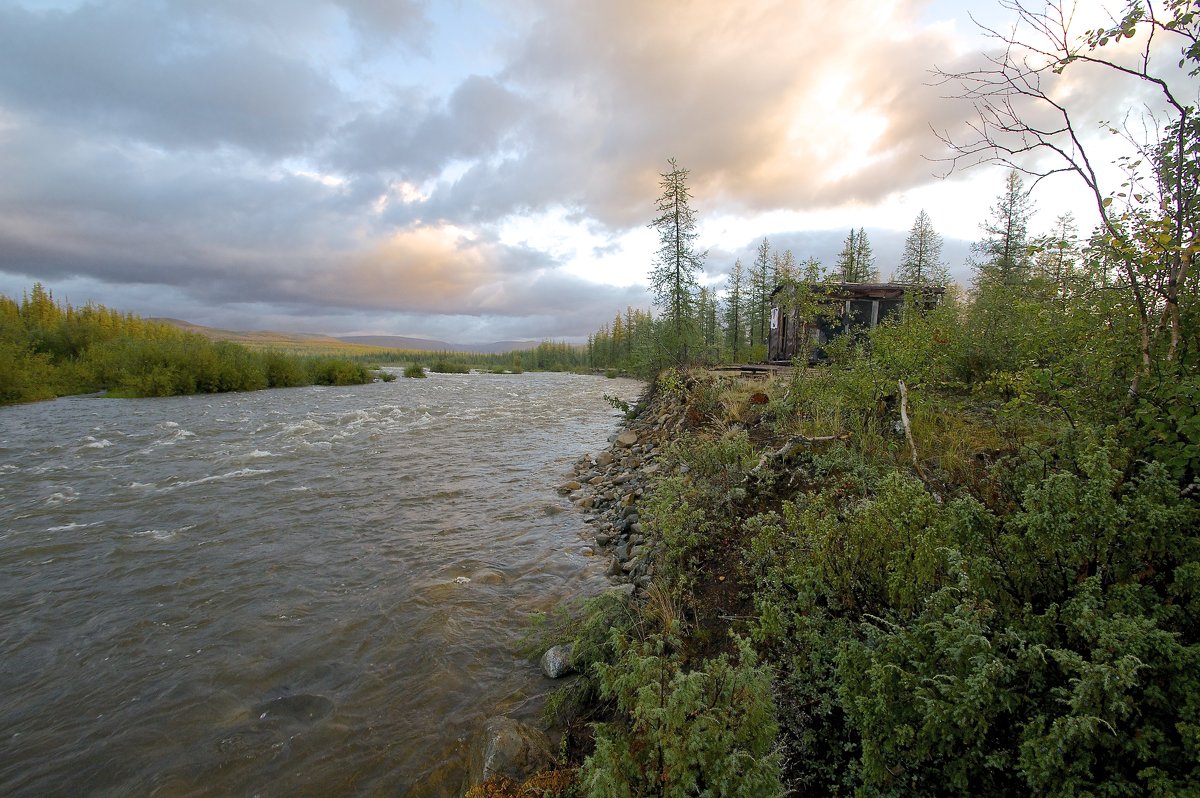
[239, 474]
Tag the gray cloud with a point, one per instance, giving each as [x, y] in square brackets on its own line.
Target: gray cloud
[276, 160]
[151, 73]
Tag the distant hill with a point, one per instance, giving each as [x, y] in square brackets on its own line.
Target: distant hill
[430, 345]
[349, 344]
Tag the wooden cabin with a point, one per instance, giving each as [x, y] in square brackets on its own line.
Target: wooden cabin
[805, 316]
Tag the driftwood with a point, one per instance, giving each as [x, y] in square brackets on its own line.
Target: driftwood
[908, 431]
[793, 443]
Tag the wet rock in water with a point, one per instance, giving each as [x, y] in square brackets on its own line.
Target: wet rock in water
[507, 747]
[567, 487]
[487, 576]
[304, 708]
[556, 662]
[614, 567]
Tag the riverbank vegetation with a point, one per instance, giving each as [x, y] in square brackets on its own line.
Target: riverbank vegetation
[958, 559]
[48, 349]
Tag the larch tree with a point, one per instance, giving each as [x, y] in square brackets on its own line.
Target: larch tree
[1058, 256]
[783, 267]
[735, 319]
[812, 270]
[856, 263]
[673, 276]
[921, 261]
[1002, 256]
[760, 294]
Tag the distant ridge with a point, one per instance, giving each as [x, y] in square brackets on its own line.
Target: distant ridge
[347, 344]
[430, 345]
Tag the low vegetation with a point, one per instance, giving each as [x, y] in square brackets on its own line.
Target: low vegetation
[958, 559]
[49, 349]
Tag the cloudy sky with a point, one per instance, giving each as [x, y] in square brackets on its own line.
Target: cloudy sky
[470, 170]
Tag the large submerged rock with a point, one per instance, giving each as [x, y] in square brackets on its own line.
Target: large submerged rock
[507, 747]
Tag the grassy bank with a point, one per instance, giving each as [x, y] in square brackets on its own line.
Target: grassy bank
[877, 578]
[49, 349]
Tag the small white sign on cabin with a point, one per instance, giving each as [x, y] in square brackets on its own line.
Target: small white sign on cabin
[774, 318]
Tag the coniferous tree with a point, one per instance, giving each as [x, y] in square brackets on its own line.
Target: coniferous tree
[1058, 257]
[735, 317]
[783, 267]
[673, 277]
[1002, 255]
[856, 263]
[921, 261]
[760, 294]
[812, 270]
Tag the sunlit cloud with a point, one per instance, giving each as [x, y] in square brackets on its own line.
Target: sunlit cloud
[397, 165]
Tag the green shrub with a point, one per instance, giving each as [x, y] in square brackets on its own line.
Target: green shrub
[415, 371]
[707, 731]
[443, 366]
[337, 371]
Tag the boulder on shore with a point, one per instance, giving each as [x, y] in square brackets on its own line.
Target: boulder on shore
[556, 662]
[627, 439]
[507, 747]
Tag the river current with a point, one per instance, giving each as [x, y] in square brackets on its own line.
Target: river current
[313, 591]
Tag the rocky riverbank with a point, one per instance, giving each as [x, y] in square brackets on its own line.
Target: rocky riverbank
[609, 485]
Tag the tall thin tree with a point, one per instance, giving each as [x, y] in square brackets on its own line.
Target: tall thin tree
[1002, 255]
[673, 276]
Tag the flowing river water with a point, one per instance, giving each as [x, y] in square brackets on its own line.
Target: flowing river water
[314, 591]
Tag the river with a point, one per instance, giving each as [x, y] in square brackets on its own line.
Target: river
[313, 591]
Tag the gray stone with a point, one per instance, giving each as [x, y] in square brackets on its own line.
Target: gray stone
[507, 747]
[614, 567]
[556, 662]
[626, 588]
[604, 459]
[626, 439]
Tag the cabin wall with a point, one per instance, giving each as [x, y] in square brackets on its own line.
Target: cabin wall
[792, 336]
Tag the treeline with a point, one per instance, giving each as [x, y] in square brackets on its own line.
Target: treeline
[546, 356]
[50, 349]
[703, 325]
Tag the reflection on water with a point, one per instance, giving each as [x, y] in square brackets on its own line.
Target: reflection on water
[305, 592]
